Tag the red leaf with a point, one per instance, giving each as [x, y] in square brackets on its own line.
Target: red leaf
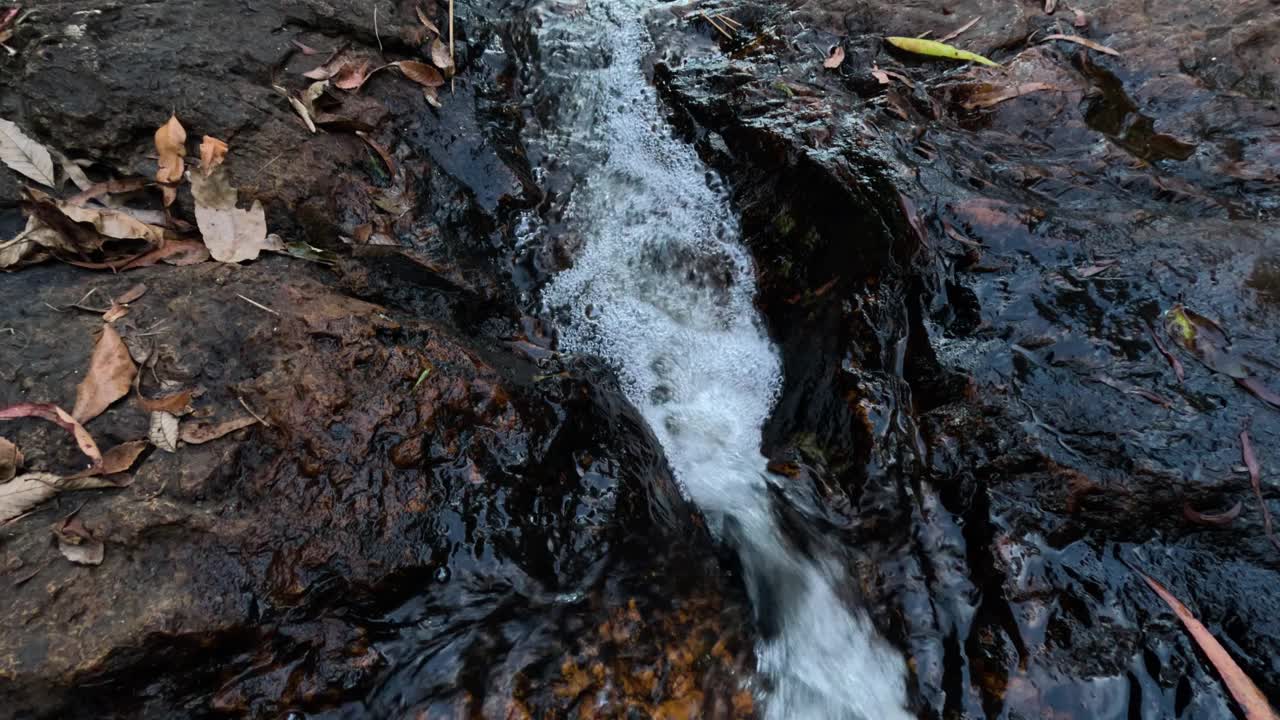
[59, 417]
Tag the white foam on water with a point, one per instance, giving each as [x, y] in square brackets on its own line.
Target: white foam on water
[663, 290]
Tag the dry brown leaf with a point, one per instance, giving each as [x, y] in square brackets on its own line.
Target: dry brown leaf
[110, 376]
[74, 172]
[164, 431]
[432, 96]
[422, 18]
[199, 433]
[440, 56]
[834, 60]
[25, 492]
[1251, 699]
[10, 460]
[305, 49]
[107, 222]
[115, 312]
[59, 417]
[24, 155]
[171, 147]
[1255, 479]
[116, 460]
[77, 544]
[131, 294]
[421, 73]
[32, 245]
[231, 234]
[110, 187]
[352, 75]
[1085, 42]
[174, 252]
[995, 96]
[212, 152]
[178, 403]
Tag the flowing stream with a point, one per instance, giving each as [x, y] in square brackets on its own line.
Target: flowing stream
[661, 288]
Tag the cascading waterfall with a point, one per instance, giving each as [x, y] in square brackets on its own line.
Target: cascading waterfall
[662, 289]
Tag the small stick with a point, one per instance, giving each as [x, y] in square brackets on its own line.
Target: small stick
[729, 20]
[375, 27]
[255, 415]
[453, 82]
[713, 24]
[258, 305]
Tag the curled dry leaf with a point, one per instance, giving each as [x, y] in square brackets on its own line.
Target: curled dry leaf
[199, 433]
[33, 245]
[107, 222]
[1086, 42]
[1251, 699]
[111, 373]
[110, 187]
[421, 73]
[1213, 519]
[24, 155]
[834, 60]
[77, 544]
[10, 460]
[1255, 479]
[74, 172]
[171, 147]
[440, 56]
[25, 492]
[59, 417]
[231, 234]
[164, 431]
[115, 312]
[212, 152]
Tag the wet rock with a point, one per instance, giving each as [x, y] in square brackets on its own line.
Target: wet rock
[962, 293]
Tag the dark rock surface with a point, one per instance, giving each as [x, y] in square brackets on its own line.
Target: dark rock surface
[963, 292]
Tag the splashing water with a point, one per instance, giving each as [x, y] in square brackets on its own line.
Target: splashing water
[662, 289]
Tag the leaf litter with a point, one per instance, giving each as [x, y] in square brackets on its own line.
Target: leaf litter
[1243, 689]
[24, 155]
[110, 376]
[1209, 344]
[231, 234]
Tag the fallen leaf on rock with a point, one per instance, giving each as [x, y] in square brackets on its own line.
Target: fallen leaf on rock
[10, 460]
[178, 403]
[1241, 687]
[231, 234]
[25, 492]
[171, 147]
[173, 252]
[24, 155]
[1170, 357]
[74, 172]
[199, 433]
[131, 294]
[212, 152]
[305, 49]
[932, 48]
[1213, 519]
[1089, 271]
[115, 312]
[834, 60]
[992, 96]
[422, 18]
[1209, 343]
[1086, 42]
[164, 431]
[432, 96]
[110, 376]
[1255, 479]
[59, 417]
[77, 544]
[421, 73]
[116, 460]
[106, 221]
[957, 33]
[33, 245]
[352, 76]
[110, 187]
[440, 56]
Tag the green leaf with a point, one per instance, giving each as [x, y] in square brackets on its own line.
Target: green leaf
[933, 48]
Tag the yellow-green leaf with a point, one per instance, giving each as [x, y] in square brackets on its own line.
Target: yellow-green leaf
[933, 48]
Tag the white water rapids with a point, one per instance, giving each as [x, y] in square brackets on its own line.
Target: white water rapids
[662, 289]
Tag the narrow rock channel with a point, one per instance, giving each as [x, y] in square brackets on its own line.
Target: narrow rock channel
[663, 290]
